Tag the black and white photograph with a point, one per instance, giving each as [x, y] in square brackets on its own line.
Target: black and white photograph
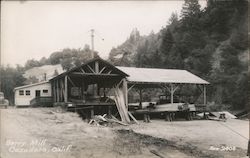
[124, 79]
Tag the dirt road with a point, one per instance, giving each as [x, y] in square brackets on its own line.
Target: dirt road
[51, 133]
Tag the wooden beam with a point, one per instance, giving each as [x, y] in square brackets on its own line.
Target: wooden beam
[54, 91]
[172, 90]
[82, 70]
[140, 94]
[102, 69]
[133, 118]
[71, 81]
[172, 93]
[91, 74]
[205, 94]
[92, 112]
[176, 88]
[110, 72]
[96, 67]
[166, 87]
[60, 90]
[90, 68]
[66, 89]
[125, 91]
[57, 91]
[130, 87]
[199, 88]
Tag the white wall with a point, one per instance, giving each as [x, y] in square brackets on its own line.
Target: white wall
[24, 100]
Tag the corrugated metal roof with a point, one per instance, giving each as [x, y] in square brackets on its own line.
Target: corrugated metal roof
[152, 75]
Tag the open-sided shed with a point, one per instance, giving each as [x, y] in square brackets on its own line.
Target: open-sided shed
[169, 79]
[88, 85]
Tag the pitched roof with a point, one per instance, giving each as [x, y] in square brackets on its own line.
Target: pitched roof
[152, 75]
[30, 85]
[89, 62]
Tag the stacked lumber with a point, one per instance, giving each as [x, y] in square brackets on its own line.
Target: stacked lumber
[121, 100]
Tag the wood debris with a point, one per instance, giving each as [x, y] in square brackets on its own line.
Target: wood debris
[105, 120]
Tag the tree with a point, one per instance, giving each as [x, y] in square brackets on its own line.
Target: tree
[67, 64]
[10, 78]
[190, 9]
[167, 42]
[32, 63]
[173, 20]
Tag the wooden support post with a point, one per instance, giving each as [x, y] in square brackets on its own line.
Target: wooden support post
[83, 91]
[57, 91]
[66, 89]
[172, 90]
[109, 111]
[172, 93]
[125, 91]
[104, 92]
[166, 116]
[54, 91]
[62, 89]
[92, 112]
[145, 117]
[140, 103]
[205, 94]
[96, 67]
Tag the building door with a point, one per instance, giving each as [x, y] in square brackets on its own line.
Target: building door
[38, 93]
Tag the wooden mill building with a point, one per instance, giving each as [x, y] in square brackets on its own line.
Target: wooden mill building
[100, 87]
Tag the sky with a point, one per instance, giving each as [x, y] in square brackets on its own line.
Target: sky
[35, 29]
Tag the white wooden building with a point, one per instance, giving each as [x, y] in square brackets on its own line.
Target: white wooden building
[24, 94]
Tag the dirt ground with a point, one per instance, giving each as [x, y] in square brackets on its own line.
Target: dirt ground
[51, 133]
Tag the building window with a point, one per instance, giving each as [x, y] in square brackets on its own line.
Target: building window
[21, 92]
[27, 92]
[45, 91]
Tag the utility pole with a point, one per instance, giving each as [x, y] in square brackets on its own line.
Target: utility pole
[0, 67]
[92, 43]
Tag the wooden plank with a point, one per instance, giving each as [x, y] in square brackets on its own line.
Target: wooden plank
[157, 153]
[133, 117]
[120, 104]
[125, 92]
